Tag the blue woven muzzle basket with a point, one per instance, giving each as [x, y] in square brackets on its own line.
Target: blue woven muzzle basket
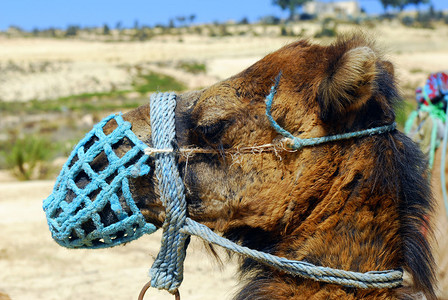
[91, 205]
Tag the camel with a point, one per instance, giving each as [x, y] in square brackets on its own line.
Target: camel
[440, 222]
[358, 204]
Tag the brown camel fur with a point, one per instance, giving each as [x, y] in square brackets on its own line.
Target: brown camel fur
[358, 204]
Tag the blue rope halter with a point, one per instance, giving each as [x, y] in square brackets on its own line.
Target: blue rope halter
[166, 272]
[78, 223]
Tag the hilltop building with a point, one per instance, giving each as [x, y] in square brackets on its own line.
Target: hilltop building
[338, 9]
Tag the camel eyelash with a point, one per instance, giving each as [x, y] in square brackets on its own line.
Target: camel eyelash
[214, 131]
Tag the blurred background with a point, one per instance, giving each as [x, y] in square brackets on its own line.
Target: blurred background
[64, 65]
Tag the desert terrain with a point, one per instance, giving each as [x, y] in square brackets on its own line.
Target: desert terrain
[32, 265]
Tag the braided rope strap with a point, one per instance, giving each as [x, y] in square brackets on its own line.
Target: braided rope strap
[297, 143]
[167, 270]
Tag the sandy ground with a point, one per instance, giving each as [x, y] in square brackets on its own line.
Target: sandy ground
[33, 266]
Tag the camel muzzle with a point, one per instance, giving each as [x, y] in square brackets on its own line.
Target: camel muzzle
[91, 205]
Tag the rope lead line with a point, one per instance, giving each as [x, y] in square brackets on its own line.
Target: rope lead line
[373, 279]
[167, 270]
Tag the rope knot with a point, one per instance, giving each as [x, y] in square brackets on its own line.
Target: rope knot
[292, 143]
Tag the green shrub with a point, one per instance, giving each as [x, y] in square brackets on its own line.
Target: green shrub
[403, 111]
[326, 32]
[153, 82]
[424, 20]
[416, 70]
[328, 29]
[269, 20]
[28, 157]
[283, 31]
[143, 34]
[408, 21]
[192, 67]
[72, 30]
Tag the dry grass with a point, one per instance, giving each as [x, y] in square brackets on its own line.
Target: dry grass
[63, 67]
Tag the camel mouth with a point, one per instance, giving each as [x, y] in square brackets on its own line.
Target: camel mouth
[100, 163]
[92, 204]
[108, 214]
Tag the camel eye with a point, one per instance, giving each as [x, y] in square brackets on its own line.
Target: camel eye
[212, 133]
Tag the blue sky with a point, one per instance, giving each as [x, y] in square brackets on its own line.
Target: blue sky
[30, 14]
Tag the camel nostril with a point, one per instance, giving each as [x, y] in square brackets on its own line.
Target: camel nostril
[82, 180]
[108, 216]
[99, 163]
[122, 147]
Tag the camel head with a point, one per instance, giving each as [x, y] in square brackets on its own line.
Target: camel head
[322, 91]
[358, 204]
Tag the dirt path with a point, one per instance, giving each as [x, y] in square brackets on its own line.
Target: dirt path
[34, 267]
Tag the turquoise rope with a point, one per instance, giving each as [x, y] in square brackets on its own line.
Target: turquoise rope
[410, 121]
[443, 162]
[433, 145]
[436, 113]
[368, 280]
[298, 143]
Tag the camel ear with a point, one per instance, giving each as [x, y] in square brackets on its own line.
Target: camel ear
[348, 83]
[389, 67]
